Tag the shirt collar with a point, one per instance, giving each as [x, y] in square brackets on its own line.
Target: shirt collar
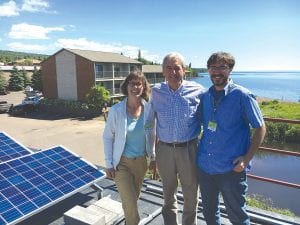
[228, 86]
[178, 89]
[227, 89]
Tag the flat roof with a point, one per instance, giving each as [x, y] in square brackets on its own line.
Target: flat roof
[149, 204]
[152, 68]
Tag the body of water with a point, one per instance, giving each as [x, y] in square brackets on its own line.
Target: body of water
[275, 85]
[279, 167]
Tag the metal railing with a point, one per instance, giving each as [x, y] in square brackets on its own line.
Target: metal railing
[111, 74]
[279, 151]
[153, 81]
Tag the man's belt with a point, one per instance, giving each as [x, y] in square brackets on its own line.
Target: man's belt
[178, 144]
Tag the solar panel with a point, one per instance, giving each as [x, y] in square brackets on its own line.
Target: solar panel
[32, 183]
[10, 148]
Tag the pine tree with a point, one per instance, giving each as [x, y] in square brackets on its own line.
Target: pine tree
[36, 80]
[2, 81]
[25, 77]
[16, 80]
[139, 55]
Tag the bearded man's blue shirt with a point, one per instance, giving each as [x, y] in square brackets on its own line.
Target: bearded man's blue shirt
[226, 121]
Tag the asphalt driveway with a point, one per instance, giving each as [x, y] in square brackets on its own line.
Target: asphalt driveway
[42, 130]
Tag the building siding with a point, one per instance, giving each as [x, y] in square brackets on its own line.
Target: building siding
[70, 74]
[66, 76]
[85, 76]
[49, 78]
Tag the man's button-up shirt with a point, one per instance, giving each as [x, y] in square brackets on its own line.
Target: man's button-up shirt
[177, 116]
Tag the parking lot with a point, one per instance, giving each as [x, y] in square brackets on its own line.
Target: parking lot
[42, 130]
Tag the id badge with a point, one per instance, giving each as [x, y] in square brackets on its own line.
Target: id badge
[212, 126]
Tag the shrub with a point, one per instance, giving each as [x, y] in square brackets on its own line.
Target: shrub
[282, 132]
[97, 96]
[293, 134]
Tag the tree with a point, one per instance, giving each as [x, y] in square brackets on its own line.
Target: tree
[97, 96]
[143, 60]
[139, 55]
[25, 77]
[2, 81]
[36, 80]
[16, 80]
[28, 62]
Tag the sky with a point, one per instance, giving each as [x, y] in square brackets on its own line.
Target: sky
[260, 34]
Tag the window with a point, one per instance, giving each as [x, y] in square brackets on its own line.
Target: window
[99, 71]
[117, 71]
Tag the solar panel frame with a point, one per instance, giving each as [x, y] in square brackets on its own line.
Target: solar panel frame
[25, 192]
[11, 148]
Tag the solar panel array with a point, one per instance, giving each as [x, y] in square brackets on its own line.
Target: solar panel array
[10, 148]
[33, 182]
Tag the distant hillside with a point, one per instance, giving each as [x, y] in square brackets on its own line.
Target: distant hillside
[200, 70]
[11, 56]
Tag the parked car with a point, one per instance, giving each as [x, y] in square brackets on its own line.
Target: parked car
[22, 109]
[28, 105]
[34, 100]
[4, 106]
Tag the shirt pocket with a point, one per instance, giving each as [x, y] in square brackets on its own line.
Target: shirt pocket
[184, 113]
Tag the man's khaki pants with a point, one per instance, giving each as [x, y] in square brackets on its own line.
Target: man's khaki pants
[174, 163]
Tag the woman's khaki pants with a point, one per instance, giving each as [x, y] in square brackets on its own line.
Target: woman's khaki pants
[129, 180]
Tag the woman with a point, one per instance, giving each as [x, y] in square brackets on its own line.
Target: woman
[128, 138]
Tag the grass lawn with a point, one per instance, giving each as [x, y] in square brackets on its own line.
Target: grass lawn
[276, 109]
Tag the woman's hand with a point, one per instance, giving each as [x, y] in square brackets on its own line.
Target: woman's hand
[110, 173]
[152, 166]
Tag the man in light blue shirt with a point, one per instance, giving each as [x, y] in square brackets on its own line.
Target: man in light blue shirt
[175, 104]
[226, 147]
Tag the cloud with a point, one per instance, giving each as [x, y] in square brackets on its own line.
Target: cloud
[83, 43]
[9, 9]
[35, 6]
[151, 57]
[28, 31]
[12, 9]
[17, 46]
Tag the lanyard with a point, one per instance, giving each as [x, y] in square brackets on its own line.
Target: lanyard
[218, 96]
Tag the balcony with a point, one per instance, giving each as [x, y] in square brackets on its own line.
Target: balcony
[153, 81]
[111, 74]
